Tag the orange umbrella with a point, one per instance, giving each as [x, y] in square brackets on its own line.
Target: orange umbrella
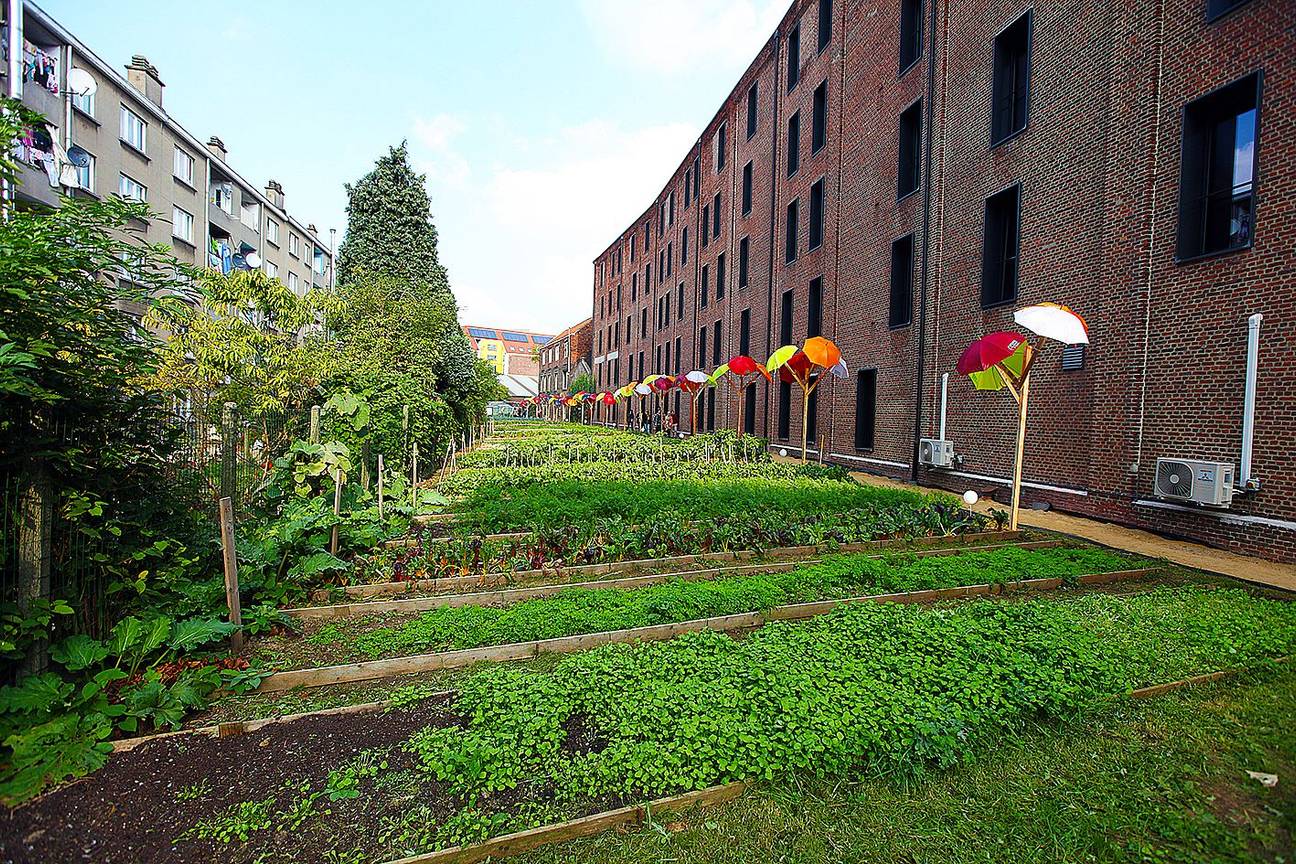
[805, 366]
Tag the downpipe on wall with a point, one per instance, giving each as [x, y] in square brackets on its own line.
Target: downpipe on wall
[1248, 483]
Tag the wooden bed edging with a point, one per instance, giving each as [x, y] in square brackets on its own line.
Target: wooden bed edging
[479, 580]
[369, 670]
[514, 595]
[586, 826]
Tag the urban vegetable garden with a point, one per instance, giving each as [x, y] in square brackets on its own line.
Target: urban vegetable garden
[572, 621]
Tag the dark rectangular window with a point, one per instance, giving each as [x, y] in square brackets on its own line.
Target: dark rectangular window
[815, 237]
[679, 301]
[911, 32]
[1216, 8]
[749, 409]
[643, 322]
[715, 217]
[744, 332]
[812, 417]
[784, 410]
[1217, 171]
[1011, 98]
[747, 189]
[825, 23]
[865, 408]
[790, 232]
[657, 364]
[794, 143]
[633, 238]
[666, 366]
[715, 345]
[672, 207]
[721, 147]
[1002, 246]
[706, 284]
[670, 256]
[684, 246]
[702, 346]
[751, 111]
[814, 308]
[697, 170]
[711, 402]
[902, 252]
[744, 248]
[785, 319]
[793, 58]
[688, 186]
[679, 360]
[720, 276]
[910, 150]
[647, 279]
[819, 123]
[634, 287]
[666, 306]
[706, 225]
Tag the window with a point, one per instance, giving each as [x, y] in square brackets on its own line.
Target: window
[684, 246]
[1002, 245]
[720, 276]
[134, 131]
[794, 144]
[744, 332]
[670, 258]
[814, 308]
[744, 249]
[825, 23]
[711, 403]
[688, 187]
[679, 361]
[747, 189]
[182, 222]
[793, 58]
[819, 124]
[84, 103]
[715, 217]
[633, 238]
[671, 207]
[183, 166]
[706, 225]
[785, 319]
[816, 214]
[715, 345]
[1011, 79]
[131, 189]
[272, 231]
[911, 32]
[784, 410]
[1217, 174]
[749, 409]
[292, 282]
[752, 101]
[697, 170]
[679, 300]
[634, 287]
[702, 346]
[902, 251]
[865, 408]
[721, 147]
[643, 322]
[86, 175]
[272, 269]
[706, 285]
[910, 129]
[790, 232]
[294, 245]
[1217, 8]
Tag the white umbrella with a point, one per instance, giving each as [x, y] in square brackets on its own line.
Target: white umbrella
[1054, 321]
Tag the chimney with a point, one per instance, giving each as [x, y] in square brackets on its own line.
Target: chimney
[274, 192]
[143, 76]
[217, 147]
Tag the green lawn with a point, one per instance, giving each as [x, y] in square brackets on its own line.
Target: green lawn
[1160, 780]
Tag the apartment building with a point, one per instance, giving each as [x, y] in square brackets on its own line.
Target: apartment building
[566, 358]
[511, 352]
[900, 175]
[127, 144]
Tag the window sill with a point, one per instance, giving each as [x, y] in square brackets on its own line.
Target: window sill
[897, 327]
[1219, 16]
[133, 149]
[1207, 256]
[998, 304]
[185, 183]
[996, 142]
[906, 196]
[184, 242]
[85, 115]
[906, 69]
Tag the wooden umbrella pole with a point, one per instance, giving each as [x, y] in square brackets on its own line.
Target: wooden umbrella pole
[1021, 447]
[739, 394]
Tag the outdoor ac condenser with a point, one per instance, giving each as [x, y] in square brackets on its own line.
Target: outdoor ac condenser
[1195, 480]
[935, 453]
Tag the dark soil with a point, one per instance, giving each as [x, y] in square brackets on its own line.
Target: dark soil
[131, 811]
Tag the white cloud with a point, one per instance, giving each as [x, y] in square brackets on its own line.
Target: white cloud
[434, 151]
[682, 37]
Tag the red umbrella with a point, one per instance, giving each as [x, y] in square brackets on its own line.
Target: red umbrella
[796, 369]
[740, 367]
[989, 350]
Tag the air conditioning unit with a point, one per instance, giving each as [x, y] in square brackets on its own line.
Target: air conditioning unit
[1195, 480]
[935, 453]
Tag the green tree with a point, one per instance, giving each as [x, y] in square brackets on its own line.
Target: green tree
[583, 382]
[389, 227]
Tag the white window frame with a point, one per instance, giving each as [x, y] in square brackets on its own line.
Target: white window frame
[124, 183]
[292, 282]
[188, 162]
[127, 128]
[272, 231]
[89, 174]
[272, 269]
[84, 104]
[294, 245]
[182, 217]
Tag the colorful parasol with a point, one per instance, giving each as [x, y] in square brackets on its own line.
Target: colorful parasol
[1054, 321]
[984, 359]
[804, 367]
[740, 367]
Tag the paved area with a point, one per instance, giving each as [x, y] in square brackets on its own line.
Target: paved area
[1182, 552]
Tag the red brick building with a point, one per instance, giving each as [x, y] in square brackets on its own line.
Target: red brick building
[565, 357]
[511, 352]
[918, 170]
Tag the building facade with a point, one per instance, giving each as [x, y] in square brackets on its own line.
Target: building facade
[130, 146]
[511, 352]
[900, 175]
[565, 358]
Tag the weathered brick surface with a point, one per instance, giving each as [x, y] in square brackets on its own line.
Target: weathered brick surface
[1098, 166]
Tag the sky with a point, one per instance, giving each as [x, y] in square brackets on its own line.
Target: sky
[544, 128]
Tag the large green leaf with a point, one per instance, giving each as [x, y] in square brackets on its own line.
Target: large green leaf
[65, 747]
[189, 634]
[78, 652]
[35, 693]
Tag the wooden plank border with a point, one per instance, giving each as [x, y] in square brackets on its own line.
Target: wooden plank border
[512, 577]
[586, 826]
[369, 670]
[502, 596]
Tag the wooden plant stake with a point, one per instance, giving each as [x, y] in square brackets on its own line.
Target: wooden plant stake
[230, 557]
[337, 508]
[414, 478]
[380, 488]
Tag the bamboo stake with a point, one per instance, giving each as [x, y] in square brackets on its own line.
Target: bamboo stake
[337, 509]
[414, 477]
[380, 488]
[230, 558]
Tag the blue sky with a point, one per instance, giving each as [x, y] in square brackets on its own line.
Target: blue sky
[544, 127]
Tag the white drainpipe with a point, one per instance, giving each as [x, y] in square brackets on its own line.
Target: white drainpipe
[944, 402]
[1246, 481]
